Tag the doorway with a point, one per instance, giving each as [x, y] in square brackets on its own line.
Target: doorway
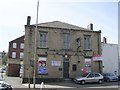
[66, 68]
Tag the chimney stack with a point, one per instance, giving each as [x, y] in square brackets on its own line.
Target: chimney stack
[90, 26]
[28, 20]
[104, 40]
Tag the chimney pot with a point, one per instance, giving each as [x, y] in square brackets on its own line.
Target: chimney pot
[28, 20]
[104, 40]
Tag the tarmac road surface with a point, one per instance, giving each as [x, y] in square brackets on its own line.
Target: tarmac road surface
[16, 83]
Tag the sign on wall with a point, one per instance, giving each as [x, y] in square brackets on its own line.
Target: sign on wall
[42, 65]
[56, 63]
[97, 57]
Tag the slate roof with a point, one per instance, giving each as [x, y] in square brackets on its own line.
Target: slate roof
[17, 39]
[59, 24]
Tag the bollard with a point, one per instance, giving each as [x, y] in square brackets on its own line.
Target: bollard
[42, 87]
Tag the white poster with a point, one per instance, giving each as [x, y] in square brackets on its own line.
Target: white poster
[97, 57]
[56, 63]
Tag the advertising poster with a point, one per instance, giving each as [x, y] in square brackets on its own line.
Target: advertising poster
[42, 65]
[87, 67]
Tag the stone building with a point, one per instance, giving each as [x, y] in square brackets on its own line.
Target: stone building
[62, 50]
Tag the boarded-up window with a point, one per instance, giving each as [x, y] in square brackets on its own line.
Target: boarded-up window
[87, 42]
[66, 40]
[43, 40]
[74, 67]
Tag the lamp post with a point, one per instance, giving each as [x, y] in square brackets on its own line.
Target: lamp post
[35, 52]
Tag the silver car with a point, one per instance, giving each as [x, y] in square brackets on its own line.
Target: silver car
[89, 78]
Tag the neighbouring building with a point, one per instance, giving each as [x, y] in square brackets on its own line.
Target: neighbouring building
[2, 54]
[0, 58]
[15, 56]
[110, 56]
[62, 51]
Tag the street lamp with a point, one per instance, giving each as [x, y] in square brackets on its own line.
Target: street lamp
[35, 52]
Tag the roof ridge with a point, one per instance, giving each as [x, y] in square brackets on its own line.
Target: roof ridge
[60, 24]
[17, 38]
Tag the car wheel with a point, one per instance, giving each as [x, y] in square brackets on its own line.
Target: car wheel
[82, 82]
[100, 81]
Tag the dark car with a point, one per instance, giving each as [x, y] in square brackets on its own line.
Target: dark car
[110, 77]
[118, 77]
[89, 78]
[4, 86]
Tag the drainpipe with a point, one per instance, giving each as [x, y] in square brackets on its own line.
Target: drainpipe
[99, 49]
[99, 42]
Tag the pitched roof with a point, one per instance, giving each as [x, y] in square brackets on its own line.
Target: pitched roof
[17, 38]
[59, 24]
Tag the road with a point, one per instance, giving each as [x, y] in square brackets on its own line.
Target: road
[16, 83]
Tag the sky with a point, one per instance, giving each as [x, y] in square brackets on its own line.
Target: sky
[102, 13]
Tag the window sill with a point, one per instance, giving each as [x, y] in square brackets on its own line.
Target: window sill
[67, 49]
[87, 50]
[42, 48]
[43, 74]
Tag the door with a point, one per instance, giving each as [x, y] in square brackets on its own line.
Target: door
[90, 78]
[66, 69]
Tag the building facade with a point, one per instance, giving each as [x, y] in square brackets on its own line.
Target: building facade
[2, 54]
[15, 56]
[110, 56]
[62, 50]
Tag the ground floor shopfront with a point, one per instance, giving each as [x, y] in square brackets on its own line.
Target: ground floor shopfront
[62, 66]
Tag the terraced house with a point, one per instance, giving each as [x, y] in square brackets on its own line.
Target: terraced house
[15, 56]
[63, 50]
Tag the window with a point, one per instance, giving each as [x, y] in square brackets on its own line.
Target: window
[97, 75]
[13, 54]
[87, 42]
[21, 55]
[22, 45]
[14, 45]
[74, 67]
[78, 42]
[66, 40]
[43, 40]
[90, 75]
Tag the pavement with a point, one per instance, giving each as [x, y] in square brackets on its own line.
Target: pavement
[63, 86]
[16, 82]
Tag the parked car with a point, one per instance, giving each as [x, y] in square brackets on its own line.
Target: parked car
[118, 77]
[110, 77]
[4, 86]
[1, 79]
[89, 78]
[3, 69]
